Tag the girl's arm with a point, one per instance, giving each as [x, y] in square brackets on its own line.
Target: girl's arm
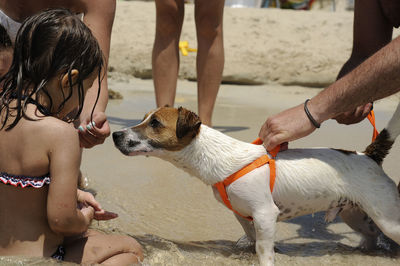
[99, 17]
[87, 198]
[63, 214]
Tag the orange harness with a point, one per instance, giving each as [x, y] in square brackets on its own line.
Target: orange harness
[221, 186]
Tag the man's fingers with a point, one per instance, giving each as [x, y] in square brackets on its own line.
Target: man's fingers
[354, 116]
[272, 141]
[367, 109]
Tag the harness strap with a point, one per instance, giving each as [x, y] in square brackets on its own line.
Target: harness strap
[371, 118]
[221, 186]
[273, 152]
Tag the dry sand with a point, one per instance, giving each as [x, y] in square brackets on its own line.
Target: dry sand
[264, 45]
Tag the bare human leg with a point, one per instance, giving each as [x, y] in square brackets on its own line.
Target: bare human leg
[210, 56]
[99, 248]
[165, 58]
[372, 30]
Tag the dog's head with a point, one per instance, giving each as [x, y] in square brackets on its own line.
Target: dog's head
[165, 128]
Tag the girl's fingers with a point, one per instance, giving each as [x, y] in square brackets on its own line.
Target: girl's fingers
[86, 140]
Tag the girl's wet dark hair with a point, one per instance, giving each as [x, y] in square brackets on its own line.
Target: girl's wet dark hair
[5, 41]
[49, 44]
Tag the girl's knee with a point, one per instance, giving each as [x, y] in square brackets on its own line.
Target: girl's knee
[132, 246]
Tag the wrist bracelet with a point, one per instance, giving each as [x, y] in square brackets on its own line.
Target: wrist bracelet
[313, 121]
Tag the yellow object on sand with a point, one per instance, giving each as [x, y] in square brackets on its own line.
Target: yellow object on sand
[185, 49]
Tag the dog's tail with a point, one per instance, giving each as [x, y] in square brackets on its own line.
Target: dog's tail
[378, 149]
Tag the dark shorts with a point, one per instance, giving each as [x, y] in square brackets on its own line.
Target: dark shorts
[391, 10]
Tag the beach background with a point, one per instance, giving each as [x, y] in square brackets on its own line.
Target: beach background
[274, 59]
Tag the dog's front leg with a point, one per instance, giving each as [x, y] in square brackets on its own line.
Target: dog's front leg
[265, 226]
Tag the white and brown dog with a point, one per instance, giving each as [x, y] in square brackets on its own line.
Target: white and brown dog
[307, 180]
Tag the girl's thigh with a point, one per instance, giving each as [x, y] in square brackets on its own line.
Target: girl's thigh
[98, 247]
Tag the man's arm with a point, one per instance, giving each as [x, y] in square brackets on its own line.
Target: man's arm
[376, 78]
[99, 17]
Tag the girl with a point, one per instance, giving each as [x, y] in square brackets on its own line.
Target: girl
[42, 213]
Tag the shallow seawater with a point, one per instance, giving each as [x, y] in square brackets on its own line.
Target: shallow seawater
[175, 216]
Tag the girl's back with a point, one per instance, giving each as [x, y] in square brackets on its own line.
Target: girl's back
[23, 214]
[56, 60]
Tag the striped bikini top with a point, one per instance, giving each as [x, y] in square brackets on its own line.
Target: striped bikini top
[25, 181]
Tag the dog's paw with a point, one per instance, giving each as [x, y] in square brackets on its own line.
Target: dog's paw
[385, 243]
[245, 243]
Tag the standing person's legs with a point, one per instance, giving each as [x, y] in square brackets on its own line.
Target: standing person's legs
[96, 247]
[165, 58]
[210, 56]
[371, 31]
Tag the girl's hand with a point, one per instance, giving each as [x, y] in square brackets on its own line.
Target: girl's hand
[86, 198]
[93, 134]
[87, 212]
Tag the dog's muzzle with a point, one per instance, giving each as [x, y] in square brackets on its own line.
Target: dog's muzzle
[119, 138]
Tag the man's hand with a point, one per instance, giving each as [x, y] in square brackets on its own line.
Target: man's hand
[91, 134]
[288, 125]
[355, 116]
[87, 199]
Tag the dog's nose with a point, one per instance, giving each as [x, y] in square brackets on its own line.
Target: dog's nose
[117, 135]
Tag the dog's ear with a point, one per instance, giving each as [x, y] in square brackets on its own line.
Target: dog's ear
[188, 123]
[167, 105]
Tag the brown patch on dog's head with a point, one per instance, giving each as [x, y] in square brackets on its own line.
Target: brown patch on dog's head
[188, 124]
[169, 128]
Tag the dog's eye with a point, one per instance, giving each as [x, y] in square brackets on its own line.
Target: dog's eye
[155, 123]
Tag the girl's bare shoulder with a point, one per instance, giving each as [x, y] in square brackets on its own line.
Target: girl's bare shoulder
[55, 131]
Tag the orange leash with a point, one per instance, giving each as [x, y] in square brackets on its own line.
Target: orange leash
[221, 186]
[371, 118]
